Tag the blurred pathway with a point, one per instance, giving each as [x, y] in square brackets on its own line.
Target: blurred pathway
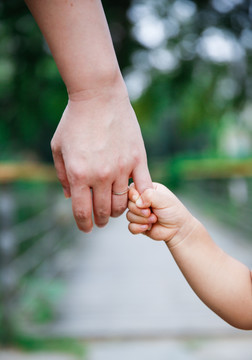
[128, 300]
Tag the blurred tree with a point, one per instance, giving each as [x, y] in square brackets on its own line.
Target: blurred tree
[195, 71]
[187, 65]
[32, 94]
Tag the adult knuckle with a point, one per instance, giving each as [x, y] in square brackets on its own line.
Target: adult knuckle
[76, 173]
[119, 210]
[122, 165]
[136, 156]
[103, 174]
[81, 215]
[54, 146]
[102, 214]
[122, 207]
[62, 178]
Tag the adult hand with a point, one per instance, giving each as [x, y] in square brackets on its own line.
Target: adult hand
[98, 145]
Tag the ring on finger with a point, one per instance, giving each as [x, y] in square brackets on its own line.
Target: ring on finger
[121, 192]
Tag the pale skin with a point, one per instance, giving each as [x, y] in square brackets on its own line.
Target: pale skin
[98, 144]
[221, 282]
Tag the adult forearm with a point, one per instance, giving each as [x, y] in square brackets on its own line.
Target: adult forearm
[218, 279]
[78, 36]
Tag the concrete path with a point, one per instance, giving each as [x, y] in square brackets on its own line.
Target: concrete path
[127, 299]
[218, 349]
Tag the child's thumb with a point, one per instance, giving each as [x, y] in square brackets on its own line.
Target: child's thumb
[146, 199]
[152, 198]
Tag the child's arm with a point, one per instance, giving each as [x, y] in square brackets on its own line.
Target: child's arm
[222, 283]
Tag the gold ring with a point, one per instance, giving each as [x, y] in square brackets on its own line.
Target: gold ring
[120, 193]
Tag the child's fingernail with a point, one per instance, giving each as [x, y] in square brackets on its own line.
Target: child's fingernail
[145, 212]
[152, 218]
[144, 227]
[149, 227]
[134, 198]
[139, 202]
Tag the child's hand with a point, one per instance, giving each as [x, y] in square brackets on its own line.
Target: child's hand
[141, 219]
[168, 218]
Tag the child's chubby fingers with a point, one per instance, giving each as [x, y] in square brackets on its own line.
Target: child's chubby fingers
[134, 218]
[133, 193]
[138, 228]
[136, 210]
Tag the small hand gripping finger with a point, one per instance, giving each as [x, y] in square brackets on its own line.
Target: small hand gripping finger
[133, 193]
[137, 228]
[143, 201]
[141, 212]
[133, 218]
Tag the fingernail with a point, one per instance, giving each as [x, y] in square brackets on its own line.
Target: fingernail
[134, 198]
[66, 193]
[149, 227]
[145, 212]
[144, 227]
[152, 218]
[139, 202]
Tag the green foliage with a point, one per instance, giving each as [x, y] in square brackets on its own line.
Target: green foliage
[181, 109]
[32, 94]
[192, 106]
[62, 345]
[38, 299]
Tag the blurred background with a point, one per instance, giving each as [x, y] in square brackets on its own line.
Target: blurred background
[188, 68]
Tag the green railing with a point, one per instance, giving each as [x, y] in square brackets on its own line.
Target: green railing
[222, 186]
[36, 223]
[205, 168]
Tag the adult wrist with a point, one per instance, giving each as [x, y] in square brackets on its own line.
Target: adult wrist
[102, 83]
